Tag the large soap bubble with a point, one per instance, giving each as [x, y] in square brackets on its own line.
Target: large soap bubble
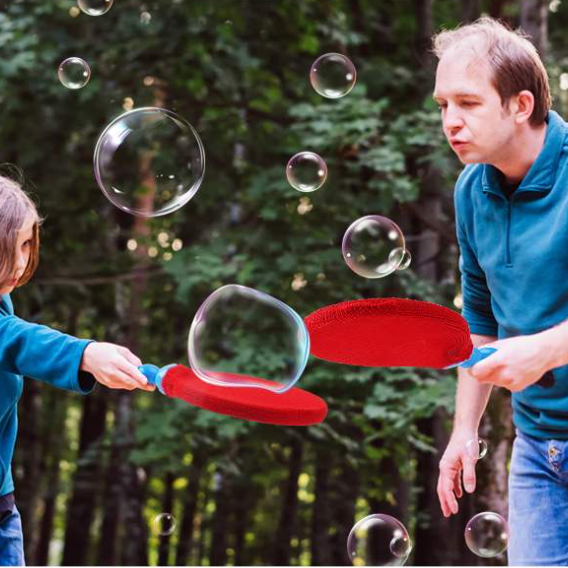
[243, 337]
[487, 534]
[378, 540]
[373, 246]
[333, 75]
[149, 162]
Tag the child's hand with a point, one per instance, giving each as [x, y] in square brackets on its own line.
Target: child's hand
[114, 367]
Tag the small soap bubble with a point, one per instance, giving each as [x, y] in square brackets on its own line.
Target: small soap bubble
[95, 7]
[333, 75]
[487, 534]
[378, 540]
[164, 524]
[306, 171]
[74, 73]
[405, 260]
[243, 337]
[141, 162]
[373, 246]
[476, 448]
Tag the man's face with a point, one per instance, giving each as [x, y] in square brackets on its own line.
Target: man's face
[475, 122]
[23, 252]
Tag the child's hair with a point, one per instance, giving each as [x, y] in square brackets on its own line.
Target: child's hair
[16, 207]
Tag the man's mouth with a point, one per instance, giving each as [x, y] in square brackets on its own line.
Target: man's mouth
[458, 143]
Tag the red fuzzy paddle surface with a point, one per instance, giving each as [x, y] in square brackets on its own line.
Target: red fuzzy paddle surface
[389, 332]
[295, 407]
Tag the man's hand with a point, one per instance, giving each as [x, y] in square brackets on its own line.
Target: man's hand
[518, 363]
[114, 367]
[455, 464]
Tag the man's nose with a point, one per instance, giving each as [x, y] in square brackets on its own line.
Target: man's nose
[452, 121]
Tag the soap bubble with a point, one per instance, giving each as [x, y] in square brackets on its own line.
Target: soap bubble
[95, 7]
[405, 260]
[306, 171]
[149, 162]
[243, 337]
[333, 75]
[373, 246]
[164, 524]
[74, 73]
[476, 448]
[378, 540]
[487, 534]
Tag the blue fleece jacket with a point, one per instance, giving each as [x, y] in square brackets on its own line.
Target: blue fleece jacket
[38, 352]
[514, 265]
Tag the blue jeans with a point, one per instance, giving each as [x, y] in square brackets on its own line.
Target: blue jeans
[12, 540]
[538, 502]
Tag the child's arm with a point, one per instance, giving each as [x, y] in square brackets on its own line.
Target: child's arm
[42, 353]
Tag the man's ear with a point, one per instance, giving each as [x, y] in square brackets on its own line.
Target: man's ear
[522, 106]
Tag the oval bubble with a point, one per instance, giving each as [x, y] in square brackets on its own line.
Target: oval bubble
[149, 162]
[333, 75]
[74, 73]
[373, 246]
[476, 448]
[306, 171]
[95, 7]
[378, 540]
[164, 524]
[246, 338]
[487, 534]
[405, 258]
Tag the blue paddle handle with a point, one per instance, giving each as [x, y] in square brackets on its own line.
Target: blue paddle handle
[155, 375]
[477, 355]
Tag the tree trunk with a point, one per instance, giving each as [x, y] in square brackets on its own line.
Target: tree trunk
[82, 504]
[167, 508]
[424, 31]
[492, 476]
[287, 524]
[345, 487]
[189, 508]
[112, 504]
[469, 11]
[321, 510]
[52, 450]
[135, 537]
[220, 523]
[534, 21]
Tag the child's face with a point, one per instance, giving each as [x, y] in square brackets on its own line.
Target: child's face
[23, 251]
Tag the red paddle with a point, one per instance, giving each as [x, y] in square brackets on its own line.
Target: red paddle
[295, 407]
[395, 332]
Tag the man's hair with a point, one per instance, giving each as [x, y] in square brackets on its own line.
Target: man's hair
[16, 207]
[513, 60]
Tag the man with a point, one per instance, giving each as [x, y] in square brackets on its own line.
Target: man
[511, 205]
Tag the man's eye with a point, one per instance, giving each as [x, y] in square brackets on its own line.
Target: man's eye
[469, 103]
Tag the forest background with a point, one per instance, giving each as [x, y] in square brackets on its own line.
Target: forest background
[93, 472]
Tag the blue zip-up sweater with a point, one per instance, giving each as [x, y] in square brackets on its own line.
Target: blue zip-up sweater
[514, 265]
[35, 351]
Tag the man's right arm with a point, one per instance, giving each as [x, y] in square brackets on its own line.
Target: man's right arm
[471, 401]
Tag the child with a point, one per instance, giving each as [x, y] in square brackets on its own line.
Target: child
[39, 352]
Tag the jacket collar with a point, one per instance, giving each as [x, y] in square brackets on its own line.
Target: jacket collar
[6, 304]
[542, 174]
